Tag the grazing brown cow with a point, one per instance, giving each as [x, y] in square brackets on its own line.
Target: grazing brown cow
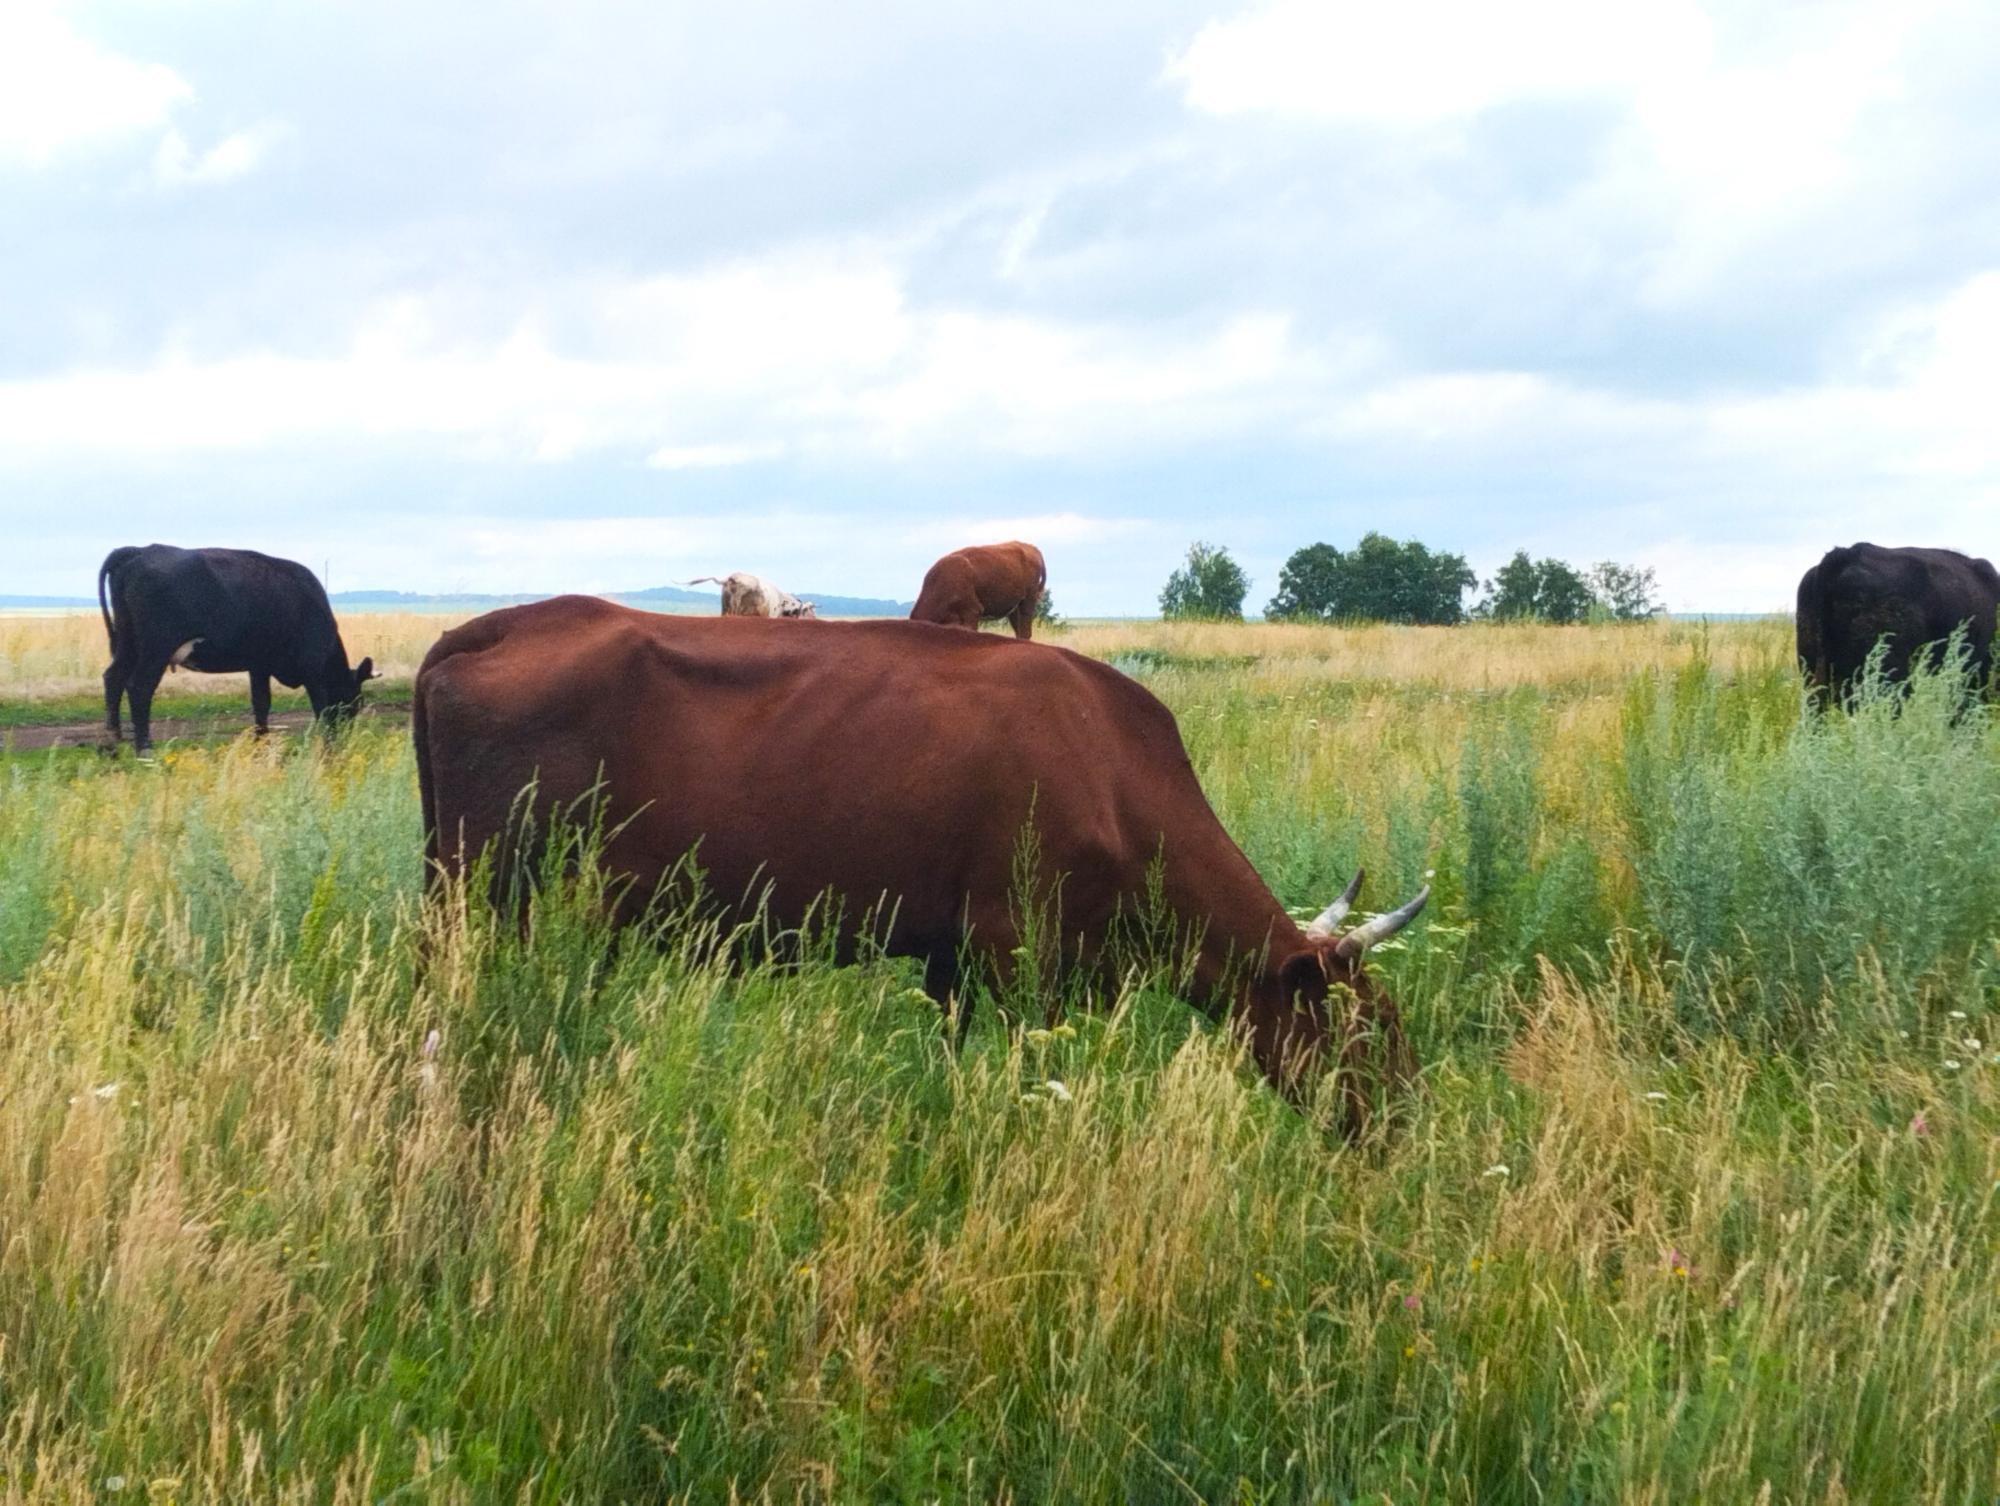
[971, 586]
[928, 753]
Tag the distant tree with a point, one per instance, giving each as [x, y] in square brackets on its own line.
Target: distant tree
[1553, 591]
[1627, 592]
[1561, 595]
[1379, 580]
[1045, 612]
[1510, 595]
[1209, 587]
[1308, 584]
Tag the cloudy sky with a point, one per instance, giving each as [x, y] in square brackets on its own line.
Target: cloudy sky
[507, 296]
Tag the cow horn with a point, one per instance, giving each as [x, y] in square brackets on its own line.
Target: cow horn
[1334, 913]
[1382, 927]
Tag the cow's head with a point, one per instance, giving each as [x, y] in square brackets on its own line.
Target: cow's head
[1332, 1013]
[796, 608]
[343, 690]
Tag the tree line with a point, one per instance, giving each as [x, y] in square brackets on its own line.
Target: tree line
[1381, 580]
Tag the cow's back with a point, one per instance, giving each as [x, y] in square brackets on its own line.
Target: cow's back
[1865, 594]
[877, 759]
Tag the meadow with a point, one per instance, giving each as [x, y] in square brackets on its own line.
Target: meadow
[311, 1191]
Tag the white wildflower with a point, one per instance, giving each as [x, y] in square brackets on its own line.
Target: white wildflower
[1057, 1091]
[1499, 1169]
[1957, 1014]
[1656, 1097]
[1039, 1037]
[1951, 1064]
[1972, 1043]
[114, 1482]
[106, 1090]
[431, 1045]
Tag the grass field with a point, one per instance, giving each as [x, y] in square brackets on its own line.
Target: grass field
[1701, 1201]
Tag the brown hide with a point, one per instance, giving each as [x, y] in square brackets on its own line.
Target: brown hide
[879, 761]
[970, 586]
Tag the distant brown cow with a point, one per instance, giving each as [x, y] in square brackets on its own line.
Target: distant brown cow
[928, 753]
[971, 586]
[747, 595]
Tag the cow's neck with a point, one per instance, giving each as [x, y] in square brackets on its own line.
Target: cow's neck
[1245, 933]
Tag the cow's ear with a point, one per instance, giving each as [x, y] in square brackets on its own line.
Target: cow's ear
[365, 670]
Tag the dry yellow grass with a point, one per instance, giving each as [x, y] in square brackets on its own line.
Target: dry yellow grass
[64, 654]
[644, 1227]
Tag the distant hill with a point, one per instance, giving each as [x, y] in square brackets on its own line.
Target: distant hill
[653, 598]
[45, 603]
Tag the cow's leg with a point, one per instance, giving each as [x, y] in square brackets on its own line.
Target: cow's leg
[139, 690]
[260, 700]
[114, 689]
[1023, 618]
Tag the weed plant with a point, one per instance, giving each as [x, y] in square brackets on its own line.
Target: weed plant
[313, 1189]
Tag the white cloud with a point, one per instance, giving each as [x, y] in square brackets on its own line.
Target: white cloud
[809, 355]
[944, 534]
[176, 165]
[60, 90]
[697, 457]
[1733, 129]
[1431, 60]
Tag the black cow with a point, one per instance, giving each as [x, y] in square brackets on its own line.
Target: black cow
[1913, 599]
[221, 611]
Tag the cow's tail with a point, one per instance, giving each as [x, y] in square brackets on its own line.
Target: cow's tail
[112, 561]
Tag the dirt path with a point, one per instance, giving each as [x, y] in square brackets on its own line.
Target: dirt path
[178, 728]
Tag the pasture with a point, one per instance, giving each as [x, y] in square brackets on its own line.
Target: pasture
[1701, 1200]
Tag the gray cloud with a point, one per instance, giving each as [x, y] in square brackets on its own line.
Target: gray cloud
[376, 277]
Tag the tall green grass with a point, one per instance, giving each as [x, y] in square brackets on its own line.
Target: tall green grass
[311, 1191]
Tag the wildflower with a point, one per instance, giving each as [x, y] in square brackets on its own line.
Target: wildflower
[1057, 1091]
[1064, 1032]
[1972, 1043]
[1409, 1351]
[114, 1482]
[1474, 1264]
[1264, 1281]
[1618, 1409]
[805, 1273]
[1412, 1302]
[1039, 1037]
[1678, 1264]
[106, 1090]
[1656, 1097]
[431, 1044]
[1499, 1169]
[1952, 1064]
[1919, 1126]
[1957, 1014]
